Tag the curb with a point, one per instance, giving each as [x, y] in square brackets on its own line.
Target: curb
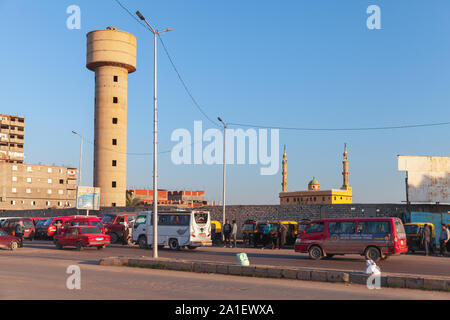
[390, 280]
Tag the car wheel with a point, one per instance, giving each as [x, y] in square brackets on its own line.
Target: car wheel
[173, 244]
[315, 253]
[192, 247]
[114, 237]
[13, 245]
[143, 242]
[373, 254]
[79, 246]
[58, 245]
[101, 247]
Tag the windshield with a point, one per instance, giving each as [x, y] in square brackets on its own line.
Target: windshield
[108, 219]
[47, 222]
[41, 222]
[400, 229]
[90, 230]
[411, 229]
[201, 218]
[28, 223]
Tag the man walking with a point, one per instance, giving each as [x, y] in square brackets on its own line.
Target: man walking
[234, 232]
[18, 232]
[443, 239]
[227, 233]
[426, 238]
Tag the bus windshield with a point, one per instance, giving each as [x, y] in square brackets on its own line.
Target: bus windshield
[201, 218]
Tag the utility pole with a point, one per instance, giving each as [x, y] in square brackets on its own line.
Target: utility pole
[155, 139]
[224, 170]
[79, 173]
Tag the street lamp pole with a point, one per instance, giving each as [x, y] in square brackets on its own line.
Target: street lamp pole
[224, 170]
[155, 139]
[81, 155]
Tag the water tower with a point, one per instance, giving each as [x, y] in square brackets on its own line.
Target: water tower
[111, 54]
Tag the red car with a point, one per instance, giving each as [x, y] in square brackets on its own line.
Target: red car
[82, 221]
[7, 241]
[82, 237]
[28, 227]
[115, 224]
[374, 238]
[48, 229]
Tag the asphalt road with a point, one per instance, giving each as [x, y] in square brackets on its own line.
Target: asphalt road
[25, 275]
[406, 263]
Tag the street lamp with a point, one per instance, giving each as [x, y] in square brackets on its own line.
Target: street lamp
[81, 155]
[224, 170]
[155, 140]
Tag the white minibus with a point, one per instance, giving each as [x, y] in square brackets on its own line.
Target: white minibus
[176, 229]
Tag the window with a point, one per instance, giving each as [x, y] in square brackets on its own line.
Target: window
[60, 191]
[114, 184]
[315, 227]
[49, 191]
[116, 78]
[114, 120]
[29, 169]
[28, 179]
[49, 180]
[47, 203]
[60, 170]
[341, 227]
[113, 204]
[49, 170]
[33, 203]
[114, 142]
[61, 181]
[28, 190]
[14, 168]
[13, 202]
[115, 99]
[14, 178]
[14, 190]
[59, 204]
[114, 163]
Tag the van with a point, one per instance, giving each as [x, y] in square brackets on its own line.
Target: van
[28, 227]
[82, 221]
[176, 229]
[114, 224]
[374, 238]
[49, 228]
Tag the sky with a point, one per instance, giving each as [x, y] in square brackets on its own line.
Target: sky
[268, 63]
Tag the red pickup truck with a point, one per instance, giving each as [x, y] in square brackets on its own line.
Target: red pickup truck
[82, 237]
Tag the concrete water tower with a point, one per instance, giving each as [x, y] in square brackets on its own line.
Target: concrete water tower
[112, 55]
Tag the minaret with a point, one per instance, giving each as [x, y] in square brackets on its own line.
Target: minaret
[111, 54]
[345, 170]
[284, 172]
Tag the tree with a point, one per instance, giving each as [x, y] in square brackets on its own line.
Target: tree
[133, 201]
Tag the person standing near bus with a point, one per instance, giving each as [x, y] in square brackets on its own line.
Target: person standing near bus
[18, 232]
[443, 239]
[266, 234]
[234, 232]
[426, 238]
[227, 233]
[282, 232]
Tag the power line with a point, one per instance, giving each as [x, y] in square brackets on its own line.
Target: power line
[186, 88]
[342, 129]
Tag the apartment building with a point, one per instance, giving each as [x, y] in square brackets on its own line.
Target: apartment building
[12, 138]
[31, 186]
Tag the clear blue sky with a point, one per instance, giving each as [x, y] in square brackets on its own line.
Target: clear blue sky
[287, 63]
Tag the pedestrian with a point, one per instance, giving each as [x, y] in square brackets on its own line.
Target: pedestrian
[227, 233]
[18, 232]
[425, 237]
[443, 239]
[266, 234]
[282, 232]
[234, 232]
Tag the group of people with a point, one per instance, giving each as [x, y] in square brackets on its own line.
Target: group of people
[273, 235]
[426, 239]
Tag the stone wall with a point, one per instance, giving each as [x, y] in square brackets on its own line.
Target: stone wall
[262, 212]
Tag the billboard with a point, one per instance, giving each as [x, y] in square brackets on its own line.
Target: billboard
[88, 198]
[428, 178]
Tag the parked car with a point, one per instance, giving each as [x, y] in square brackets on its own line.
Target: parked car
[82, 237]
[374, 238]
[49, 228]
[115, 225]
[28, 227]
[8, 241]
[39, 224]
[82, 221]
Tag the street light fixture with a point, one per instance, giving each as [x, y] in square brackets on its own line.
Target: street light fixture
[224, 170]
[155, 140]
